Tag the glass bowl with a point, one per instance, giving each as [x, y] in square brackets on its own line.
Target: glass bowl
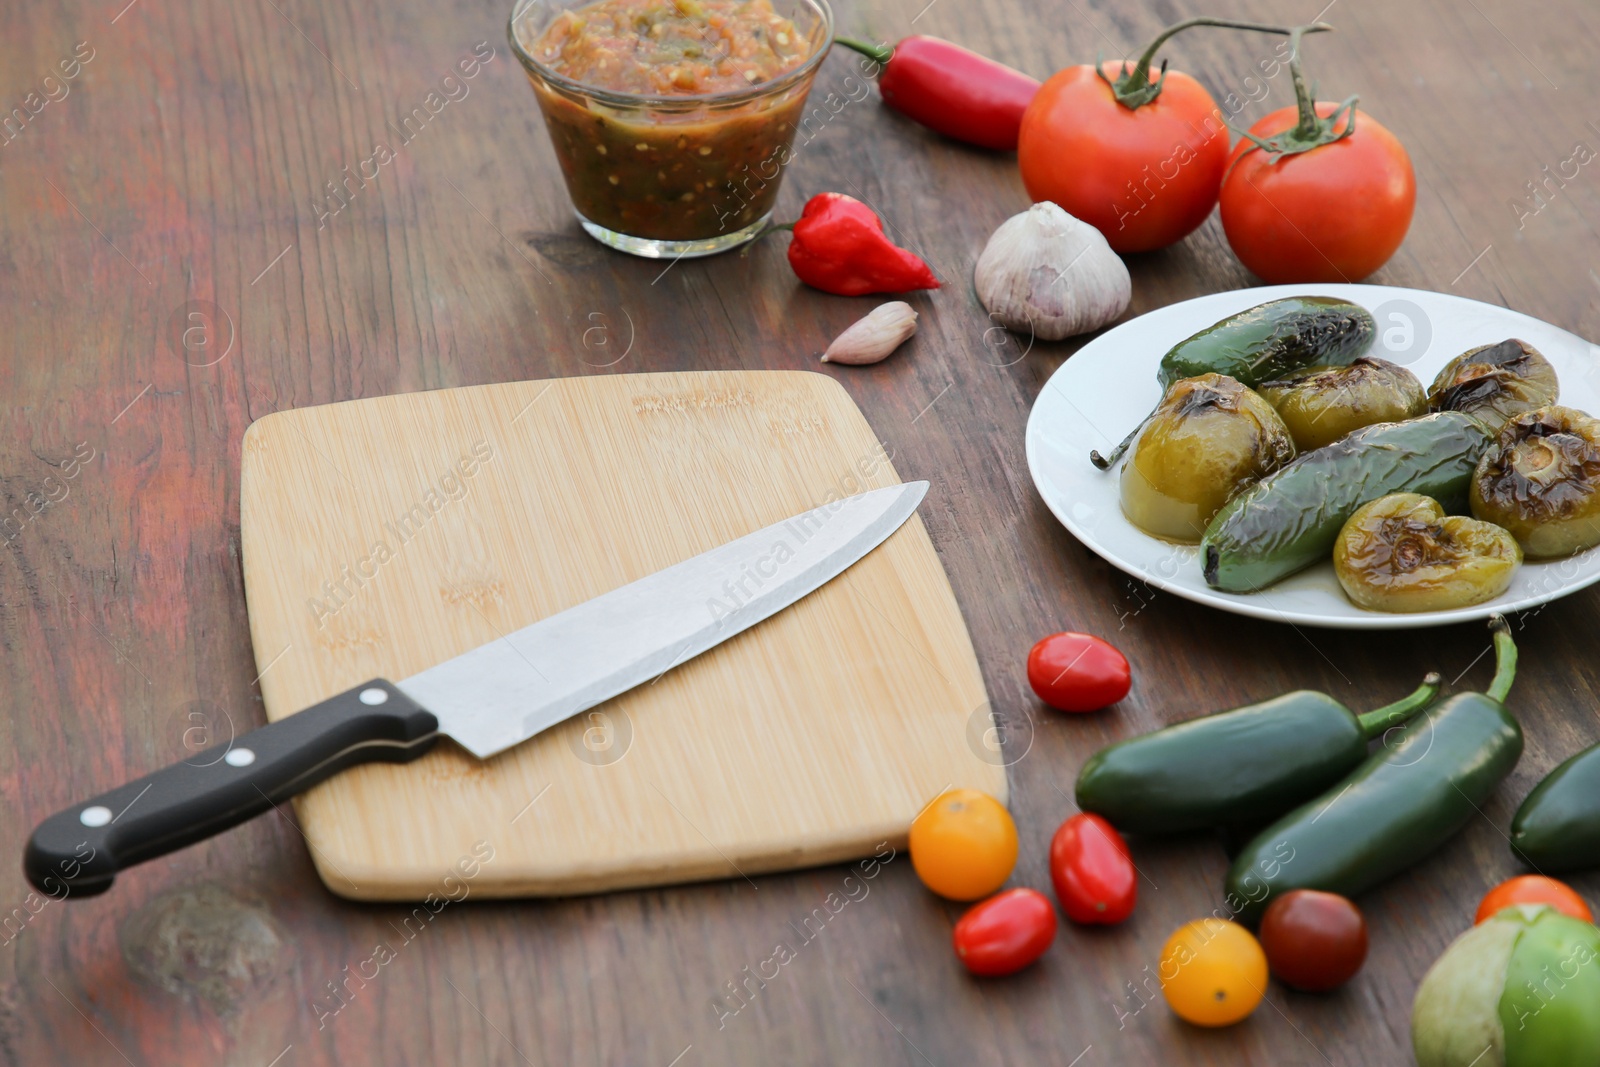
[671, 176]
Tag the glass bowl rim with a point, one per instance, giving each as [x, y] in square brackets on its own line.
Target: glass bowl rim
[686, 101]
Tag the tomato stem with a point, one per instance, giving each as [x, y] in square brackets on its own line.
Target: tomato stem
[1313, 130]
[1133, 87]
[1374, 723]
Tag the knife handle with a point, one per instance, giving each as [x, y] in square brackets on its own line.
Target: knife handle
[80, 850]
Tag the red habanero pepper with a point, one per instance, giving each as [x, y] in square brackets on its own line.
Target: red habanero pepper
[839, 247]
[952, 90]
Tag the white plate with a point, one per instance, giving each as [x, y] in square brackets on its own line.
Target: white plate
[1103, 391]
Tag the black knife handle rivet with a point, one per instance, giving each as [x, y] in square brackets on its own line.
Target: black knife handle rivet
[79, 851]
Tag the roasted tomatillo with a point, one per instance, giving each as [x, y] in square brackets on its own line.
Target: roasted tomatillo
[1541, 480]
[1322, 404]
[1495, 382]
[1210, 438]
[1403, 553]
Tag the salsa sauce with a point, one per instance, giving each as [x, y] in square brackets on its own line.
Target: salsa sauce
[672, 48]
[662, 169]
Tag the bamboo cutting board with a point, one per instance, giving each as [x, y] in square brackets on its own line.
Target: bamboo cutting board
[382, 536]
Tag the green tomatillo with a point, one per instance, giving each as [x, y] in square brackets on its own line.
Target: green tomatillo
[1517, 990]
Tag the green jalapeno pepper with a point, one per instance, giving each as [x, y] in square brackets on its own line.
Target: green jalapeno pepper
[1558, 827]
[1403, 802]
[1248, 765]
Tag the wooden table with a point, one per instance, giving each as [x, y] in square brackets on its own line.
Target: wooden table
[174, 267]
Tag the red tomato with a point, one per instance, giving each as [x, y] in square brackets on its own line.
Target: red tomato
[1333, 214]
[1145, 177]
[1534, 889]
[1093, 873]
[1078, 672]
[1005, 933]
[1314, 941]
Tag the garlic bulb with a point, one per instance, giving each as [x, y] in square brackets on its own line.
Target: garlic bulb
[1051, 275]
[874, 337]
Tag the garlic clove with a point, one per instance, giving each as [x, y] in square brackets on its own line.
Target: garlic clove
[871, 339]
[1046, 273]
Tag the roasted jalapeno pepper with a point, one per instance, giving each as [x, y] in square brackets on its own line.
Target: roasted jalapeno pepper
[1271, 339]
[1495, 382]
[1402, 553]
[1399, 805]
[1247, 765]
[1210, 438]
[1264, 342]
[1322, 404]
[1291, 518]
[1541, 480]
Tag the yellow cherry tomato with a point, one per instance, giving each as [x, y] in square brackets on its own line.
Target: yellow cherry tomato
[964, 844]
[1213, 972]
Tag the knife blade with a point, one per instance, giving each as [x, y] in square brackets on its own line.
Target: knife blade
[487, 699]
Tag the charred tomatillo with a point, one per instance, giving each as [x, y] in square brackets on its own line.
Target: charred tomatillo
[1495, 382]
[1541, 481]
[1319, 405]
[1402, 553]
[1210, 438]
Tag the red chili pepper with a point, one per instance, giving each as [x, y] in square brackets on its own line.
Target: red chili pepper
[839, 247]
[952, 90]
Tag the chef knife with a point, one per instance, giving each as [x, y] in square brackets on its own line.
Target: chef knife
[487, 699]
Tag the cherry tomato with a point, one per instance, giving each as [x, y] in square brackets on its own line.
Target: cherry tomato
[1094, 876]
[1213, 972]
[1314, 941]
[1145, 177]
[1333, 214]
[1005, 933]
[1534, 889]
[964, 845]
[1078, 672]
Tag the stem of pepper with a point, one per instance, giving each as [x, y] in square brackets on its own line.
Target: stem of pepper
[879, 53]
[1374, 723]
[1505, 659]
[771, 227]
[1133, 88]
[1105, 462]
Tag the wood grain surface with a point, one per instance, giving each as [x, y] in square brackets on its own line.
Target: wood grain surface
[187, 169]
[384, 536]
